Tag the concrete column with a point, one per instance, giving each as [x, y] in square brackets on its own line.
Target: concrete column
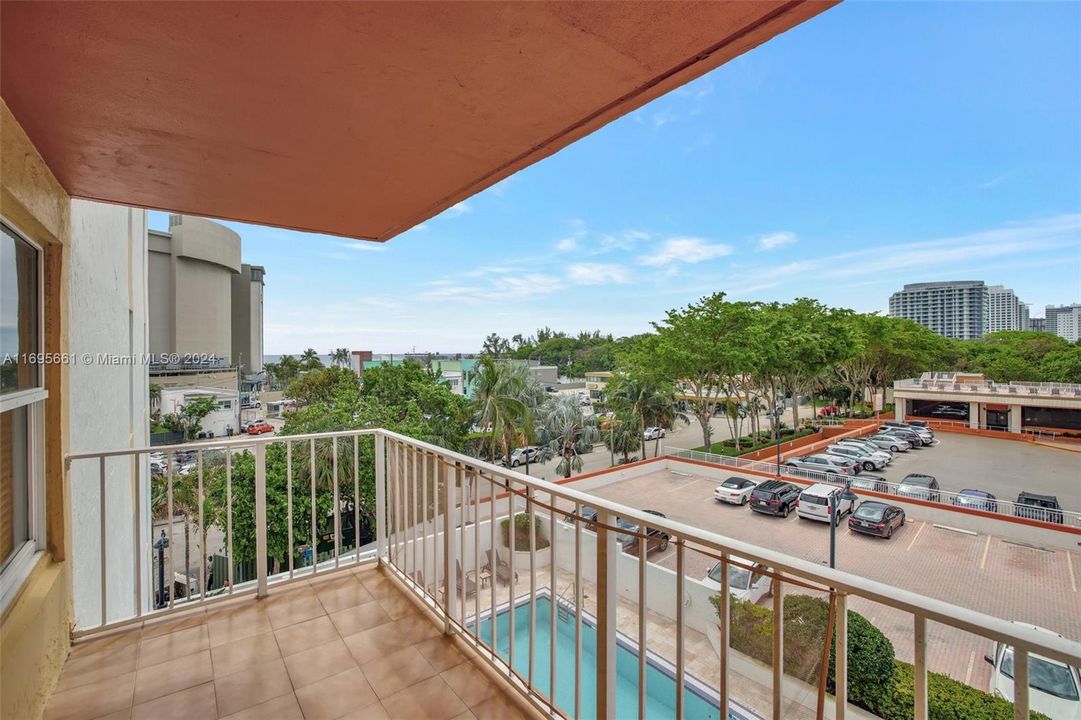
[899, 409]
[1015, 419]
[974, 411]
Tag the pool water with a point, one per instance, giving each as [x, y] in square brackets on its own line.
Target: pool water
[660, 685]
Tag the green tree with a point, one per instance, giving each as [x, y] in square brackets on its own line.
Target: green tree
[622, 434]
[309, 360]
[324, 385]
[340, 357]
[188, 419]
[495, 346]
[502, 405]
[563, 428]
[705, 346]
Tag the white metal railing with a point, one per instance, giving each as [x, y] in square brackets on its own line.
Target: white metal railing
[948, 498]
[436, 514]
[987, 386]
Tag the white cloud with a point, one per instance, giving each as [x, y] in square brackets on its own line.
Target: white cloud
[776, 239]
[567, 244]
[597, 274]
[686, 250]
[457, 210]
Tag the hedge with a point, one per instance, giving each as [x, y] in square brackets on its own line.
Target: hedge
[877, 681]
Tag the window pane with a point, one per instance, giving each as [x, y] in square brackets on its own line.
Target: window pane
[14, 482]
[18, 312]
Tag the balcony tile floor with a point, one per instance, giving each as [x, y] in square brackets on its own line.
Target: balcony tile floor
[347, 645]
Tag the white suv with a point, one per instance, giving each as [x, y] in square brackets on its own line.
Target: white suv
[814, 502]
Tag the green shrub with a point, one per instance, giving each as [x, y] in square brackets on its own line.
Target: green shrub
[521, 533]
[947, 699]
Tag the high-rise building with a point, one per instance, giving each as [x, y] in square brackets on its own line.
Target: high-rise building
[1004, 310]
[956, 309]
[202, 299]
[1037, 324]
[1064, 321]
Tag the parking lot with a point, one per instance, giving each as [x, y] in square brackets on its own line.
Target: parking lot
[1001, 467]
[986, 573]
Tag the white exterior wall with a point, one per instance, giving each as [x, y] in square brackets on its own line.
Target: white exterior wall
[218, 421]
[108, 404]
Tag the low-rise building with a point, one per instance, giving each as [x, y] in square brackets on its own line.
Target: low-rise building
[972, 399]
[596, 383]
[222, 421]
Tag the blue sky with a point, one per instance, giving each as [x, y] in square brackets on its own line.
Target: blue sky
[877, 144]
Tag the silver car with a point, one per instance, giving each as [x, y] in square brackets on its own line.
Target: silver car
[893, 443]
[866, 460]
[826, 464]
[868, 446]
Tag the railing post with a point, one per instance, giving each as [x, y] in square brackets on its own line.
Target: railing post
[840, 679]
[1020, 684]
[778, 650]
[260, 519]
[380, 496]
[919, 636]
[450, 556]
[607, 599]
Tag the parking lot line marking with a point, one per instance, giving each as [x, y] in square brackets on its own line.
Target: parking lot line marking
[684, 485]
[916, 536]
[1069, 565]
[986, 547]
[968, 672]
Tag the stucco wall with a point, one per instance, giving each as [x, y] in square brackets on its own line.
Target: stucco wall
[35, 626]
[109, 404]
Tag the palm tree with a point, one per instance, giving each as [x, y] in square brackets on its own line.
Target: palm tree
[502, 405]
[652, 402]
[623, 435]
[562, 428]
[309, 360]
[340, 357]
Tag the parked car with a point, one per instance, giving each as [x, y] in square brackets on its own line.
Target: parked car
[904, 433]
[867, 460]
[775, 497]
[652, 433]
[590, 516]
[523, 455]
[833, 464]
[550, 389]
[868, 446]
[743, 584]
[876, 518]
[869, 482]
[920, 428]
[655, 539]
[975, 499]
[950, 412]
[259, 427]
[920, 487]
[814, 502]
[1054, 688]
[893, 443]
[734, 490]
[1038, 507]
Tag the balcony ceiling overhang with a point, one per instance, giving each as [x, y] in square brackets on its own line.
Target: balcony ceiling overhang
[355, 119]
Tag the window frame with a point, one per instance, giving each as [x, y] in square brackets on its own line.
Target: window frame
[18, 567]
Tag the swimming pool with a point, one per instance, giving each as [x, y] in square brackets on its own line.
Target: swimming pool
[660, 680]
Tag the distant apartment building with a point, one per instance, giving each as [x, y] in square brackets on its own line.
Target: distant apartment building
[1005, 311]
[1064, 321]
[1037, 324]
[956, 309]
[202, 299]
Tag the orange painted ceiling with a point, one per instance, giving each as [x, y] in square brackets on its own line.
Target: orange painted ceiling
[357, 119]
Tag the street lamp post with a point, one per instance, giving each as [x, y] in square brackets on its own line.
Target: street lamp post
[775, 415]
[160, 544]
[833, 530]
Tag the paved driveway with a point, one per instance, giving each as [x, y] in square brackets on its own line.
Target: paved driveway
[985, 573]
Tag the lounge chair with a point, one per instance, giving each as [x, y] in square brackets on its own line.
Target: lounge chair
[501, 568]
[470, 584]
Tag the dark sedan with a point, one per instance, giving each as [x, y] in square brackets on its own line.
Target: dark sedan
[629, 541]
[976, 500]
[876, 518]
